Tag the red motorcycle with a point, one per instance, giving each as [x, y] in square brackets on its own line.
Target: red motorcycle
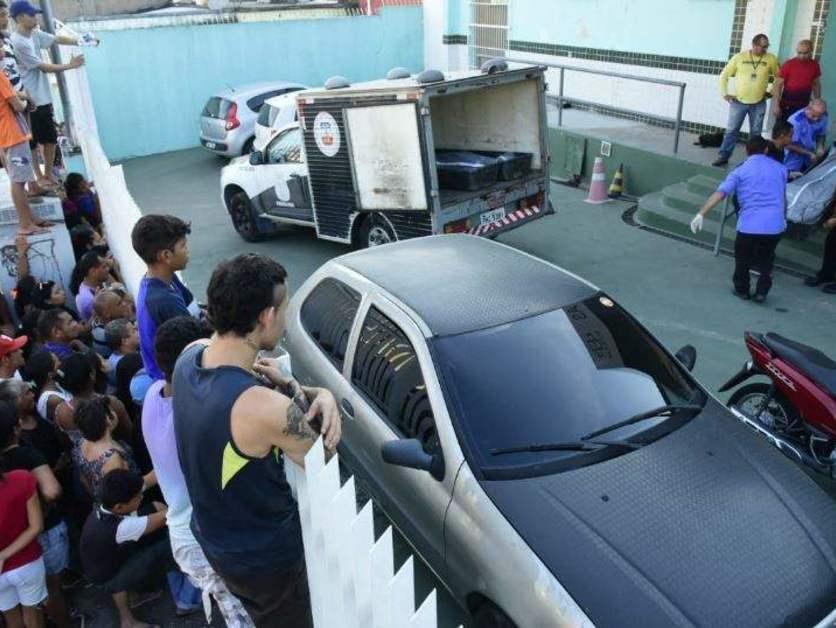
[797, 410]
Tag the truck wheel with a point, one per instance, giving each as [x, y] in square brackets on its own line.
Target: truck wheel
[376, 231]
[241, 211]
[489, 615]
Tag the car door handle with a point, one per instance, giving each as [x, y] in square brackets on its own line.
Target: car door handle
[348, 409]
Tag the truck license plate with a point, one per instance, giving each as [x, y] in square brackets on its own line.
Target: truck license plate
[492, 216]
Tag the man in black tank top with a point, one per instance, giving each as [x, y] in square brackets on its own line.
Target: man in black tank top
[232, 428]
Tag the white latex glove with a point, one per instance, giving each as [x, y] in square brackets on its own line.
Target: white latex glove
[696, 224]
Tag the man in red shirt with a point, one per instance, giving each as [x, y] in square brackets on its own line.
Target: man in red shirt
[797, 82]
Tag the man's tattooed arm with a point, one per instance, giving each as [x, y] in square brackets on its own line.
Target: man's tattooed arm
[297, 426]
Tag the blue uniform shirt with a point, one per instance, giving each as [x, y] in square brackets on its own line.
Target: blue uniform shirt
[805, 132]
[760, 183]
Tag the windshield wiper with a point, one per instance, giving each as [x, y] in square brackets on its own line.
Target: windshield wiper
[660, 411]
[575, 445]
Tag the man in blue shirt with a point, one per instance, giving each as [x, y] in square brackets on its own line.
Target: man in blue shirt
[809, 131]
[760, 185]
[161, 243]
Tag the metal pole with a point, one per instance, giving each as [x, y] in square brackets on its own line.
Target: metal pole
[560, 100]
[678, 123]
[49, 27]
[722, 227]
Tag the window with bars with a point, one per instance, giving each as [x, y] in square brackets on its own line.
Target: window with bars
[488, 30]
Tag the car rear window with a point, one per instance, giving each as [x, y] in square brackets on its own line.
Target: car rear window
[216, 107]
[328, 314]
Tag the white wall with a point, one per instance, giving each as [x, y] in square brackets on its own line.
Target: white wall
[758, 20]
[435, 55]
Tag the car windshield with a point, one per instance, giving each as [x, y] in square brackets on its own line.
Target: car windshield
[554, 378]
[216, 107]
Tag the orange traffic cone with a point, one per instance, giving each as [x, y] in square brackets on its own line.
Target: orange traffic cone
[598, 186]
[617, 185]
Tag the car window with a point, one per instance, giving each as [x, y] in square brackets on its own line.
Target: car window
[274, 113]
[286, 148]
[216, 107]
[554, 378]
[264, 115]
[328, 315]
[386, 370]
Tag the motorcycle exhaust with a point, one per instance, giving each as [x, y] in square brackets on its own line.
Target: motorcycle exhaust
[745, 373]
[792, 450]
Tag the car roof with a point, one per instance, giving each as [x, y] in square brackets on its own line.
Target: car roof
[281, 99]
[461, 283]
[253, 89]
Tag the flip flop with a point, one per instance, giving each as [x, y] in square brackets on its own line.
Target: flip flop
[32, 231]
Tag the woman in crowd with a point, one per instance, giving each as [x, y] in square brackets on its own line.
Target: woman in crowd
[99, 451]
[81, 204]
[54, 540]
[22, 574]
[77, 376]
[89, 275]
[41, 369]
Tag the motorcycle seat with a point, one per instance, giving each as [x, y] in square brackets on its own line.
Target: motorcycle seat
[810, 361]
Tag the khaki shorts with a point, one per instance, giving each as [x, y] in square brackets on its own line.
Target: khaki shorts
[17, 160]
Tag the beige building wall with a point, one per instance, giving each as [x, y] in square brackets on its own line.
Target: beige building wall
[71, 9]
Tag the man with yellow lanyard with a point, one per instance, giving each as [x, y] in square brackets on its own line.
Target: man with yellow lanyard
[753, 70]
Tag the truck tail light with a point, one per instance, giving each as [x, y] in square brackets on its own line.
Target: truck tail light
[459, 226]
[232, 121]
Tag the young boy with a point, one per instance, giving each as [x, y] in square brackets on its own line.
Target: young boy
[122, 338]
[122, 549]
[161, 243]
[15, 152]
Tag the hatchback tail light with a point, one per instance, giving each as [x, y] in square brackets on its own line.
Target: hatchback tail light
[232, 121]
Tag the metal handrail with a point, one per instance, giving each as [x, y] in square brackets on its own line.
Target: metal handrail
[677, 122]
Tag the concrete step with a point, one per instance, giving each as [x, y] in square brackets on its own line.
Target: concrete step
[655, 211]
[703, 184]
[679, 196]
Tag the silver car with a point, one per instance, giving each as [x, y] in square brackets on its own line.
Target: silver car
[227, 122]
[546, 456]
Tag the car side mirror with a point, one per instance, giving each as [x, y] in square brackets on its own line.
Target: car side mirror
[410, 453]
[687, 355]
[256, 158]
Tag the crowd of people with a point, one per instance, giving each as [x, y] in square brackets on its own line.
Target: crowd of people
[111, 467]
[758, 185]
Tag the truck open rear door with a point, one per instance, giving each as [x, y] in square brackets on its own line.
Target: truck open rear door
[385, 146]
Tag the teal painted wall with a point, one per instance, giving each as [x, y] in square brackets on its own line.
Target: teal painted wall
[456, 17]
[149, 85]
[683, 28]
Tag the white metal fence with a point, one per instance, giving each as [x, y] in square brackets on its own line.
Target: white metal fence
[352, 579]
[488, 37]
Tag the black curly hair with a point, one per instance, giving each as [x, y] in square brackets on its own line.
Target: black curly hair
[242, 288]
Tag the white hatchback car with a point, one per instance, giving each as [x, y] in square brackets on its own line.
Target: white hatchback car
[227, 122]
[275, 113]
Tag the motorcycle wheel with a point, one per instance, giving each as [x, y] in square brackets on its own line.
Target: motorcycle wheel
[779, 415]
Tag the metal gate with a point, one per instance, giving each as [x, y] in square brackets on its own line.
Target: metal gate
[488, 30]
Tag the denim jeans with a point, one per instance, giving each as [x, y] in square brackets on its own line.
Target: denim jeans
[737, 112]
